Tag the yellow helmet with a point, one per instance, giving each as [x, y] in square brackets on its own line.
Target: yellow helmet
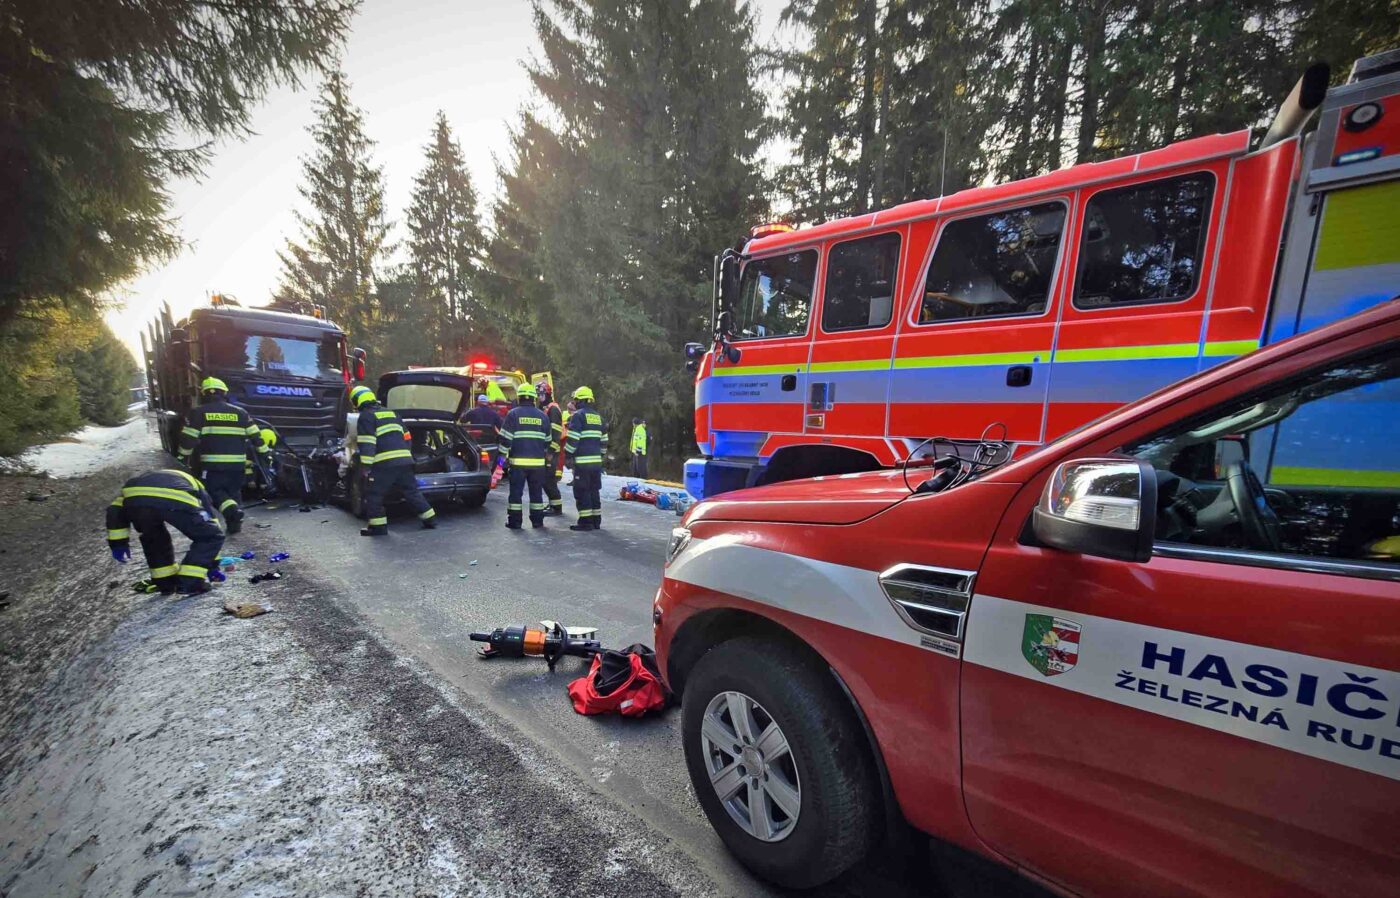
[360, 395]
[526, 391]
[269, 437]
[213, 383]
[584, 394]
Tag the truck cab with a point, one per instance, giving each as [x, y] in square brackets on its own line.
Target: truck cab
[1156, 656]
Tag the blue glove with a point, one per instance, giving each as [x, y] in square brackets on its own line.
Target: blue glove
[121, 554]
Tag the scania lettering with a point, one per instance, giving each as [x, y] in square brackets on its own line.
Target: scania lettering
[1025, 310]
[271, 390]
[1140, 660]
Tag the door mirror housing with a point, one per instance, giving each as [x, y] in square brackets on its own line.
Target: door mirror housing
[1106, 507]
[358, 358]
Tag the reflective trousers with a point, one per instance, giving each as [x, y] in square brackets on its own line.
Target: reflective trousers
[206, 539]
[520, 479]
[225, 486]
[389, 484]
[551, 482]
[588, 495]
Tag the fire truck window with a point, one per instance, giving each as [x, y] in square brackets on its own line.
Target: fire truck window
[994, 265]
[1144, 244]
[1316, 459]
[775, 296]
[860, 276]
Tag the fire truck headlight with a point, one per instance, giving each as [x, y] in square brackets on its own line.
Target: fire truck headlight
[680, 538]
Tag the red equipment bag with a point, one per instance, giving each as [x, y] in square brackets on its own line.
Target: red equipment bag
[628, 682]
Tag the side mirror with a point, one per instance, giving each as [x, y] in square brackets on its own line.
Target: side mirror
[1105, 507]
[732, 354]
[728, 281]
[358, 357]
[694, 352]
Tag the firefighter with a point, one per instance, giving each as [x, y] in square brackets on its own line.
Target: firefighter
[553, 464]
[149, 502]
[639, 448]
[484, 424]
[386, 462]
[224, 434]
[587, 440]
[525, 443]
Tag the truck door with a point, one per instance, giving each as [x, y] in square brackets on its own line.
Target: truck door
[1223, 719]
[849, 373]
[764, 393]
[976, 348]
[1142, 277]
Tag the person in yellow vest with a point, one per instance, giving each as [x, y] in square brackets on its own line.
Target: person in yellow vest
[387, 463]
[639, 448]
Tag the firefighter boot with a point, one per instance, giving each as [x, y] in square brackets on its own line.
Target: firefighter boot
[233, 520]
[375, 530]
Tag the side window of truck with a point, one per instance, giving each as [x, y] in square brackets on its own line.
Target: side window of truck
[1308, 467]
[860, 283]
[1144, 243]
[996, 265]
[775, 295]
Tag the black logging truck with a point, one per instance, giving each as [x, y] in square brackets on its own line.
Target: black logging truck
[287, 365]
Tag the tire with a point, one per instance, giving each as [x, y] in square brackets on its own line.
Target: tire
[474, 500]
[827, 759]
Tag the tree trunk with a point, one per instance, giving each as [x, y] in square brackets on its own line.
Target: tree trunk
[866, 23]
[1021, 149]
[877, 192]
[1057, 98]
[1093, 25]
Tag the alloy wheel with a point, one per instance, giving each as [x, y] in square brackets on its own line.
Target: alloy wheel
[751, 767]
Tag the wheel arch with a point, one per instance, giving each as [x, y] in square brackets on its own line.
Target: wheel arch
[812, 459]
[708, 629]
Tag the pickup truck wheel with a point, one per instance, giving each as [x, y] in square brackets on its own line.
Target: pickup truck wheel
[779, 762]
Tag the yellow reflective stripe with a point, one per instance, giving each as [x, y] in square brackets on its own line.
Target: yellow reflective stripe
[392, 453]
[224, 505]
[430, 513]
[223, 459]
[1129, 353]
[165, 570]
[585, 434]
[223, 431]
[190, 431]
[156, 492]
[588, 459]
[384, 414]
[1298, 476]
[527, 462]
[365, 438]
[115, 535]
[1230, 347]
[189, 478]
[193, 570]
[507, 434]
[378, 522]
[185, 452]
[117, 502]
[514, 506]
[745, 370]
[388, 428]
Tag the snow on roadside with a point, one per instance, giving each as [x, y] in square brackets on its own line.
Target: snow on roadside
[92, 449]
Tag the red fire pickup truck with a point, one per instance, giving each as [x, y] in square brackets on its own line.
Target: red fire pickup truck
[1127, 663]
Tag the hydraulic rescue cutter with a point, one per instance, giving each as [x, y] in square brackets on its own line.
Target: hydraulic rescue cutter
[551, 641]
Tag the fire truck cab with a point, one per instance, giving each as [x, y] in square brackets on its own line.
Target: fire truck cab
[1021, 311]
[1130, 662]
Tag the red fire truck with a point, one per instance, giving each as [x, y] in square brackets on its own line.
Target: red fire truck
[1023, 310]
[1124, 663]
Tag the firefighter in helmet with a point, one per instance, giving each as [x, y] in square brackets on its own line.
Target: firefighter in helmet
[556, 433]
[386, 463]
[224, 435]
[525, 443]
[585, 445]
[150, 501]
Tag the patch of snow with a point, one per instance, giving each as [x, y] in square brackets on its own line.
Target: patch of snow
[93, 448]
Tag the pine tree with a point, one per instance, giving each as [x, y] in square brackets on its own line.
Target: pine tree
[446, 244]
[344, 234]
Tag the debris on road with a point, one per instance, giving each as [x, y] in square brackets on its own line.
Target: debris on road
[627, 682]
[473, 563]
[269, 575]
[244, 610]
[552, 642]
[279, 556]
[249, 555]
[217, 576]
[37, 497]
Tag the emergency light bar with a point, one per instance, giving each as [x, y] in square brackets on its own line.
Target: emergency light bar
[768, 230]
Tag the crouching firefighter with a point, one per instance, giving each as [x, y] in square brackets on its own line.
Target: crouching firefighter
[225, 436]
[526, 441]
[588, 436]
[387, 464]
[150, 501]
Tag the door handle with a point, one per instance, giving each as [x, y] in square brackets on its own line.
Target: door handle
[1018, 376]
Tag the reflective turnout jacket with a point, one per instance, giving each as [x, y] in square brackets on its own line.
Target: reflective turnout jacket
[588, 436]
[556, 424]
[162, 490]
[526, 437]
[380, 438]
[639, 439]
[223, 433]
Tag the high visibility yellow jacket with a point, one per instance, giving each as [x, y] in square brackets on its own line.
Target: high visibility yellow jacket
[224, 434]
[639, 439]
[526, 436]
[587, 437]
[379, 436]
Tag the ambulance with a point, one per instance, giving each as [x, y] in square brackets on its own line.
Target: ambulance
[1125, 663]
[1021, 311]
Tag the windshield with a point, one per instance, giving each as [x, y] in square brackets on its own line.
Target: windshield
[775, 296]
[320, 359]
[430, 397]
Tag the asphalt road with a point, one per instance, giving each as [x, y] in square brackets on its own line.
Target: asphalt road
[425, 591]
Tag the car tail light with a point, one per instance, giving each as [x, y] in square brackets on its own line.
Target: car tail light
[485, 457]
